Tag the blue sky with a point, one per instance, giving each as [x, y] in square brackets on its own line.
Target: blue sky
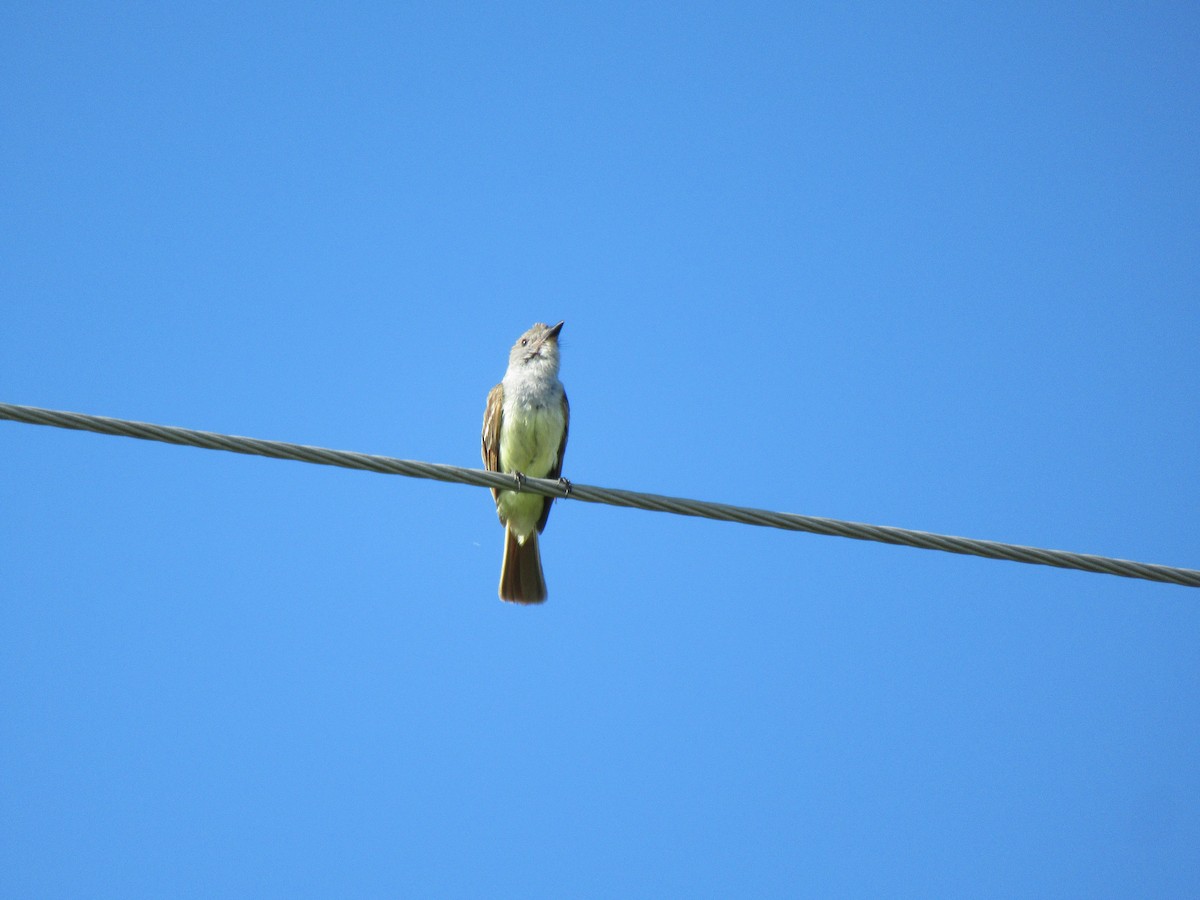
[932, 267]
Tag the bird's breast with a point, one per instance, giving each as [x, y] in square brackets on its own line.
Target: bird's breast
[530, 435]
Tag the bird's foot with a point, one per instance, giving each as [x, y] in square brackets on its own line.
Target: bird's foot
[519, 478]
[565, 485]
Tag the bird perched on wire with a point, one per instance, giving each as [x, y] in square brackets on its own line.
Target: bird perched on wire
[525, 433]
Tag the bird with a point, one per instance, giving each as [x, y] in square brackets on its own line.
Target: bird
[525, 426]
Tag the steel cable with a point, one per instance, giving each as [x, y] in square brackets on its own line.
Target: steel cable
[614, 497]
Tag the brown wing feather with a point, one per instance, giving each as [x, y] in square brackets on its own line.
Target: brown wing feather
[493, 413]
[556, 469]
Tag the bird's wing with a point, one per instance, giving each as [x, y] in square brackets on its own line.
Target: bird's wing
[493, 414]
[556, 469]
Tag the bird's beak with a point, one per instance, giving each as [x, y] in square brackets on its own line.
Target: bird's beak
[553, 332]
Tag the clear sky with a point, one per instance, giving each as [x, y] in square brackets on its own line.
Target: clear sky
[926, 265]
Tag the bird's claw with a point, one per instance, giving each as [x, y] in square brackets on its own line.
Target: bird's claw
[519, 477]
[565, 485]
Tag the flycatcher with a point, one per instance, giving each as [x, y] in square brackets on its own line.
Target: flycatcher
[525, 433]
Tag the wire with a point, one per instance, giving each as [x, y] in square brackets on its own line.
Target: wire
[747, 516]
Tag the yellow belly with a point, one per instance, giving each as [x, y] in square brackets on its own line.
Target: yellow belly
[529, 444]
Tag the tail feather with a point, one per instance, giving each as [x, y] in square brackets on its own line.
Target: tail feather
[521, 579]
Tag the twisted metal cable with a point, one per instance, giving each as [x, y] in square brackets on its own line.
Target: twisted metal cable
[654, 502]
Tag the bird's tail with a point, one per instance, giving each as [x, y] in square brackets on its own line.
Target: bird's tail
[521, 579]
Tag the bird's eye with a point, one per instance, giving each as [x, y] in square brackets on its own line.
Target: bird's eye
[524, 341]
